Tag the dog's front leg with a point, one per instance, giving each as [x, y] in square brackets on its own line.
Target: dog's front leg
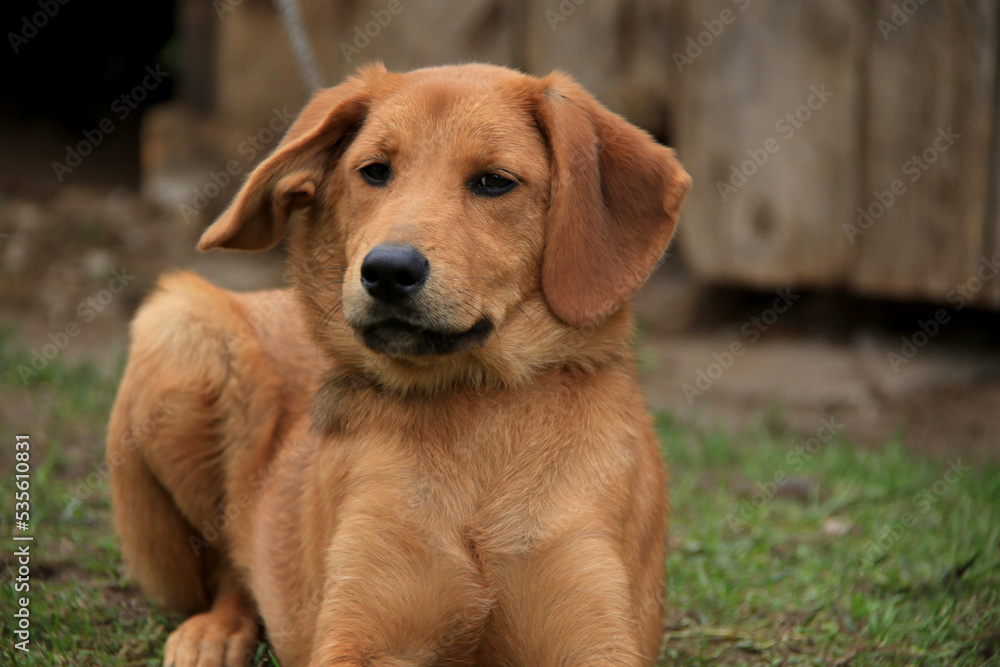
[571, 602]
[223, 636]
[393, 599]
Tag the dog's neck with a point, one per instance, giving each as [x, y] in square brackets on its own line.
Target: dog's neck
[358, 376]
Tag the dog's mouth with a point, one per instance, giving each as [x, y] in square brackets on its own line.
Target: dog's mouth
[400, 339]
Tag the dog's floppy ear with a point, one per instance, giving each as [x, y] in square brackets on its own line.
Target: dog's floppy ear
[616, 194]
[288, 178]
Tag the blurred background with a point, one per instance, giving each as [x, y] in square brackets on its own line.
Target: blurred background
[837, 257]
[821, 346]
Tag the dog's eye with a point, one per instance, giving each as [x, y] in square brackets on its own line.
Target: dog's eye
[376, 173]
[492, 184]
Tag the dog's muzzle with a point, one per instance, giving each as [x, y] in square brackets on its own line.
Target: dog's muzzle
[397, 338]
[396, 325]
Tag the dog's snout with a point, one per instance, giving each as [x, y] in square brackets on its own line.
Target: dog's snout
[392, 272]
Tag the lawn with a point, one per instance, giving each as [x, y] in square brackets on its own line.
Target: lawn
[784, 551]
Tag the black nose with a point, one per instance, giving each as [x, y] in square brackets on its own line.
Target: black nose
[391, 272]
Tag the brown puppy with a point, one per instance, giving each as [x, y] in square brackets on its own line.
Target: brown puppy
[432, 451]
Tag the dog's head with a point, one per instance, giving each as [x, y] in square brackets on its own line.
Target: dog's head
[462, 222]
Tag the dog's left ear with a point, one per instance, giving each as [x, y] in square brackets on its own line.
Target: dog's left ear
[289, 177]
[616, 195]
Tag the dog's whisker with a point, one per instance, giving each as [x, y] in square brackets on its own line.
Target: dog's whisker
[518, 306]
[376, 117]
[527, 317]
[471, 314]
[482, 313]
[471, 291]
[493, 280]
[324, 319]
[324, 285]
[363, 237]
[330, 312]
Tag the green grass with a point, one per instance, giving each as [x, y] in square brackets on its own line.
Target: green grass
[757, 583]
[757, 578]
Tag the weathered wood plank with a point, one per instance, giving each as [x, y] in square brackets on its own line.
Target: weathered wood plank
[616, 49]
[991, 229]
[930, 119]
[768, 127]
[405, 34]
[790, 116]
[256, 68]
[199, 25]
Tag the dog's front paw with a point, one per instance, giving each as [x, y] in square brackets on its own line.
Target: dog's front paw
[212, 639]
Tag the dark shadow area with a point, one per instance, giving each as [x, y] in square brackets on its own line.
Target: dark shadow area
[78, 78]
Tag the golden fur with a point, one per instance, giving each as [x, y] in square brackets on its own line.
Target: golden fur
[499, 503]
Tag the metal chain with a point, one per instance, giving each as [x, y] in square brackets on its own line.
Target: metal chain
[291, 15]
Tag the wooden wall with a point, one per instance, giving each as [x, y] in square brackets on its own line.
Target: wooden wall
[790, 116]
[889, 188]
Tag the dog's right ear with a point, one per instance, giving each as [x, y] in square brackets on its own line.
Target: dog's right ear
[616, 196]
[288, 178]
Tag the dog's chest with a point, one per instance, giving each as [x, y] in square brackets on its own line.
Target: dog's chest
[482, 471]
[474, 470]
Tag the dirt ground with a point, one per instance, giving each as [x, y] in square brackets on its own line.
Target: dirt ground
[715, 356]
[857, 364]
